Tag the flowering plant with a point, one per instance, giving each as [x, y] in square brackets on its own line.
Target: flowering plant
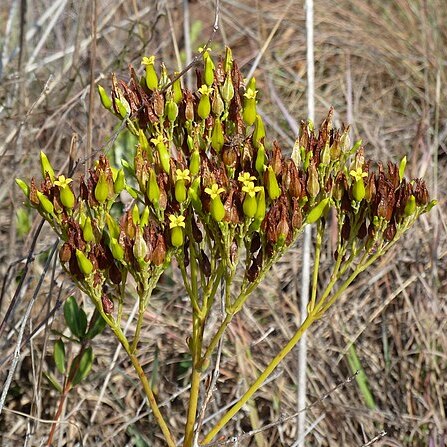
[210, 191]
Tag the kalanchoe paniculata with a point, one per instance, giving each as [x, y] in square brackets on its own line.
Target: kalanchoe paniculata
[212, 190]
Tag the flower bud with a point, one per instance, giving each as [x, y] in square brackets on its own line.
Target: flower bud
[171, 110]
[177, 238]
[105, 98]
[177, 94]
[87, 230]
[67, 197]
[151, 74]
[217, 105]
[217, 209]
[249, 111]
[180, 191]
[122, 107]
[204, 107]
[116, 249]
[102, 188]
[402, 166]
[317, 211]
[260, 159]
[194, 162]
[23, 186]
[358, 190]
[136, 214]
[227, 89]
[46, 166]
[164, 157]
[45, 203]
[217, 136]
[410, 206]
[153, 190]
[144, 219]
[139, 247]
[193, 194]
[313, 185]
[119, 182]
[273, 189]
[259, 132]
[228, 62]
[84, 264]
[208, 74]
[260, 205]
[113, 227]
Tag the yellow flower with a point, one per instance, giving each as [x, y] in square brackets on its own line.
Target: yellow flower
[214, 191]
[205, 90]
[158, 140]
[250, 93]
[148, 60]
[63, 182]
[245, 177]
[183, 175]
[251, 189]
[176, 221]
[358, 174]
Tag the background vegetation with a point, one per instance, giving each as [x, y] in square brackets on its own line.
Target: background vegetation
[383, 66]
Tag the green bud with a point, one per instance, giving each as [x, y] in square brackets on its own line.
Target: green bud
[87, 230]
[46, 166]
[142, 140]
[180, 191]
[67, 197]
[249, 206]
[273, 188]
[228, 62]
[317, 211]
[193, 194]
[204, 107]
[227, 89]
[313, 185]
[105, 98]
[217, 209]
[139, 247]
[358, 190]
[85, 265]
[164, 157]
[194, 163]
[23, 186]
[123, 107]
[410, 206]
[177, 90]
[260, 205]
[102, 188]
[259, 132]
[402, 166]
[326, 155]
[153, 190]
[45, 202]
[217, 105]
[171, 110]
[151, 77]
[144, 220]
[136, 214]
[119, 183]
[217, 136]
[260, 159]
[177, 239]
[249, 111]
[209, 69]
[113, 227]
[116, 249]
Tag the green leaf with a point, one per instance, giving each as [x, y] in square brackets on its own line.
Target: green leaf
[81, 366]
[59, 356]
[53, 382]
[75, 317]
[96, 326]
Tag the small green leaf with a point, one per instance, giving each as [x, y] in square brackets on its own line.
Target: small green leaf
[97, 326]
[81, 366]
[75, 317]
[59, 356]
[53, 382]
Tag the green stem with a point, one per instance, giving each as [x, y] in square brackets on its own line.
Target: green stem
[318, 243]
[261, 379]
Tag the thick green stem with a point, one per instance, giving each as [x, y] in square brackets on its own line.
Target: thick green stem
[261, 379]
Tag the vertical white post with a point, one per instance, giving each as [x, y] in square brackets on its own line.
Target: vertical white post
[305, 274]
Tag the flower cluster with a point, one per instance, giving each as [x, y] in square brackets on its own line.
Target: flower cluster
[208, 184]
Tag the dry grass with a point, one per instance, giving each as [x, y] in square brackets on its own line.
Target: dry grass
[383, 66]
